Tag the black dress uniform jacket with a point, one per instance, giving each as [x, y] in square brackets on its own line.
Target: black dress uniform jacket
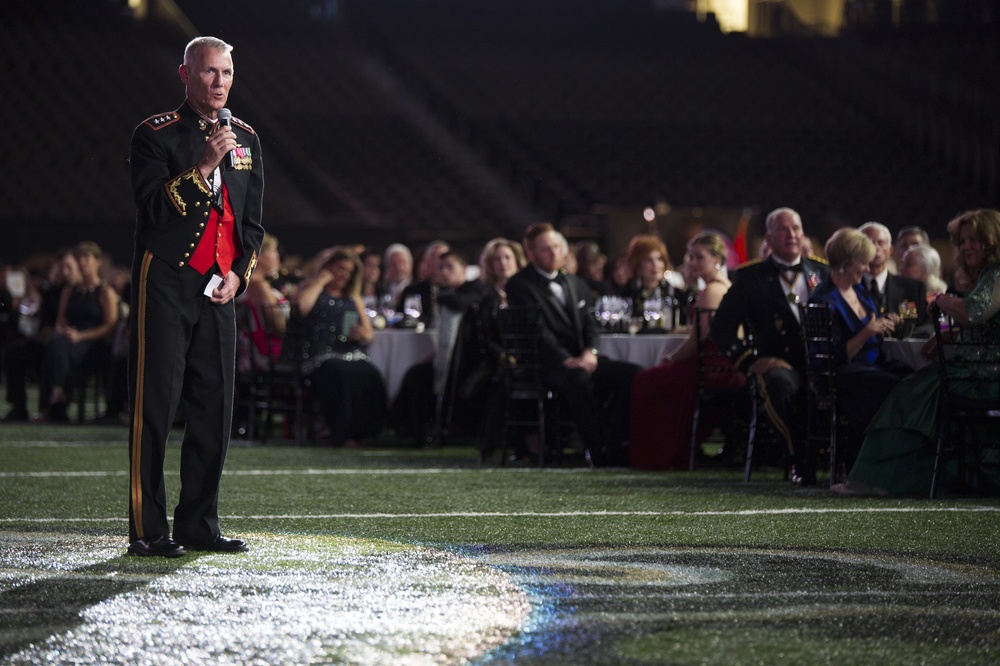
[899, 288]
[174, 201]
[182, 346]
[756, 298]
[758, 301]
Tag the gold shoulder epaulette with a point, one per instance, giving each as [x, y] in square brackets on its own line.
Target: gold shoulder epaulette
[161, 120]
[818, 260]
[237, 121]
[748, 263]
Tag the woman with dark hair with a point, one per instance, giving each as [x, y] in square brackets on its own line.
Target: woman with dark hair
[591, 265]
[327, 337]
[897, 455]
[88, 313]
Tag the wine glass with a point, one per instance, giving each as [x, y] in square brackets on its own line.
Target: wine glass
[652, 311]
[388, 307]
[412, 307]
[371, 306]
[602, 311]
[907, 315]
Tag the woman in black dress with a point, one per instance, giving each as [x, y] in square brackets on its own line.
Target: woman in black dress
[327, 337]
[88, 313]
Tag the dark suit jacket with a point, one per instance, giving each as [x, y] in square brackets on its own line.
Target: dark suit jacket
[756, 298]
[898, 289]
[566, 331]
[174, 201]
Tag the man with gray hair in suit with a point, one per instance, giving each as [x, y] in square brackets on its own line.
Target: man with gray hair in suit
[889, 291]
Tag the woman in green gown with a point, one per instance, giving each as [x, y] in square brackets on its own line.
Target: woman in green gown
[897, 456]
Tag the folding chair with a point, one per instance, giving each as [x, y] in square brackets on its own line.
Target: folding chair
[969, 369]
[712, 389]
[520, 338]
[265, 385]
[821, 381]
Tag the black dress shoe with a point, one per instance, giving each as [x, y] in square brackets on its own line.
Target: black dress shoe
[161, 546]
[219, 544]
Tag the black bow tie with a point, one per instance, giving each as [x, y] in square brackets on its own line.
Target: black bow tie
[559, 279]
[785, 268]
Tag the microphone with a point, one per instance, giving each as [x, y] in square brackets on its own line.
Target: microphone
[225, 117]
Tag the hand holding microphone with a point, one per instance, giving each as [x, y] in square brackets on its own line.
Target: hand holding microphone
[225, 117]
[219, 147]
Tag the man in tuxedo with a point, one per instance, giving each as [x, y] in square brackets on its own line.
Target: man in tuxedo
[765, 297]
[594, 390]
[890, 291]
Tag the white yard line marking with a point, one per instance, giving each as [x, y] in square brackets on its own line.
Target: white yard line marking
[318, 472]
[548, 514]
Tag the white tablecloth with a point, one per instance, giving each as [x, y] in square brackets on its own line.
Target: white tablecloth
[646, 350]
[906, 350]
[394, 351]
[643, 350]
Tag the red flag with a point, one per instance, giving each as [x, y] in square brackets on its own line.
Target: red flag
[740, 240]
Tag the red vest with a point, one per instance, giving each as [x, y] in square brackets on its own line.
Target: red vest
[217, 244]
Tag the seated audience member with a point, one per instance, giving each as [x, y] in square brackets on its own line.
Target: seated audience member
[426, 288]
[654, 279]
[592, 262]
[663, 397]
[500, 260]
[88, 313]
[570, 265]
[908, 237]
[397, 271]
[923, 264]
[620, 275]
[594, 390]
[891, 291]
[267, 319]
[35, 324]
[415, 409]
[765, 296]
[864, 376]
[117, 407]
[371, 267]
[897, 455]
[455, 295]
[327, 340]
[277, 275]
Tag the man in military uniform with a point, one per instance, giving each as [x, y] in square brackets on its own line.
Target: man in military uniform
[765, 296]
[198, 185]
[889, 291]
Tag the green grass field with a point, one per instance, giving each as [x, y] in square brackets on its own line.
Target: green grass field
[421, 556]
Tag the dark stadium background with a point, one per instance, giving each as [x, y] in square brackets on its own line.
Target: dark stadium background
[407, 120]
